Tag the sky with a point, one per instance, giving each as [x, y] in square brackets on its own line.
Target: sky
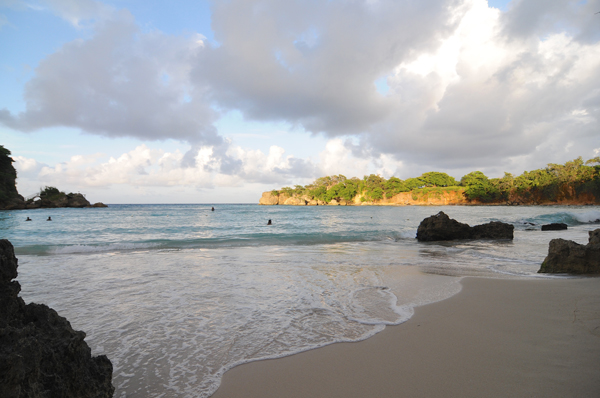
[148, 101]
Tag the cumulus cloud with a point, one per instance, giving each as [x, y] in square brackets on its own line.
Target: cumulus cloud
[144, 166]
[485, 97]
[120, 83]
[314, 63]
[468, 85]
[147, 167]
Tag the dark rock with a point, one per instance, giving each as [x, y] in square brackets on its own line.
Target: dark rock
[555, 226]
[100, 204]
[594, 238]
[441, 227]
[77, 200]
[566, 256]
[40, 353]
[15, 203]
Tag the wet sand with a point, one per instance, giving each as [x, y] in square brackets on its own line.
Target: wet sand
[496, 338]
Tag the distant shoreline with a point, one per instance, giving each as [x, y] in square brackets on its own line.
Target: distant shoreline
[429, 198]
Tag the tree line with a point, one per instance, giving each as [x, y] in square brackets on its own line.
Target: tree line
[550, 184]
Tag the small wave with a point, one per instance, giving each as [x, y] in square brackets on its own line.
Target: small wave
[570, 218]
[41, 250]
[587, 217]
[101, 248]
[248, 240]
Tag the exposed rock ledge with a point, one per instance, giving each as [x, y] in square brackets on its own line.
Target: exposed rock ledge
[441, 227]
[40, 354]
[566, 256]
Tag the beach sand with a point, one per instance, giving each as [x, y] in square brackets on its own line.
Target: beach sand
[496, 338]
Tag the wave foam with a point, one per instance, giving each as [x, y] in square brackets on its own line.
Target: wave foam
[591, 216]
[101, 248]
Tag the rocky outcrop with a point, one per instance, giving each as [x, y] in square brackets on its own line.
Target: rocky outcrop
[40, 354]
[555, 226]
[76, 200]
[441, 227]
[566, 256]
[268, 199]
[295, 201]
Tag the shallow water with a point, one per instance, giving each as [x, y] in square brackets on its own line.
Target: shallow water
[175, 295]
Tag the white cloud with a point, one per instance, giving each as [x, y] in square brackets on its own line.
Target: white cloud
[78, 11]
[468, 87]
[120, 83]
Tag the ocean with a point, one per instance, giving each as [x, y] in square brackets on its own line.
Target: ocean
[175, 295]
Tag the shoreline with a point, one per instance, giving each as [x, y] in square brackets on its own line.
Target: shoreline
[496, 337]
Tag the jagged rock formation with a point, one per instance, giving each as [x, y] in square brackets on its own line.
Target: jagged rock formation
[441, 227]
[566, 256]
[11, 200]
[40, 354]
[8, 176]
[555, 226]
[76, 200]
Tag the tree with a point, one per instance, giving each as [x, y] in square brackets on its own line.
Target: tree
[50, 192]
[479, 187]
[413, 183]
[437, 179]
[394, 186]
[372, 186]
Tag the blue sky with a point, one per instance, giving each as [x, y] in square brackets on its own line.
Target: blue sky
[137, 101]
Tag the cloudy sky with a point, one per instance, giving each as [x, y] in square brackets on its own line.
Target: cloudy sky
[148, 101]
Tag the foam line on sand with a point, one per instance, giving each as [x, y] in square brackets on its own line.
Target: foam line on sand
[496, 338]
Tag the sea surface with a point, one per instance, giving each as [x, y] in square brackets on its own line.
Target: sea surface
[175, 295]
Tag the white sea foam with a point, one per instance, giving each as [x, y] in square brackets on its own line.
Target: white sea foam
[590, 216]
[101, 248]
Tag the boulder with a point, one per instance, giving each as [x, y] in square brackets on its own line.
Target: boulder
[555, 226]
[40, 354]
[441, 227]
[77, 200]
[566, 256]
[594, 238]
[99, 204]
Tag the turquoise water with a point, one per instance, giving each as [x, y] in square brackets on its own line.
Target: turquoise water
[175, 295]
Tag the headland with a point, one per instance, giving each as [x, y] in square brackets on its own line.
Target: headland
[574, 183]
[48, 197]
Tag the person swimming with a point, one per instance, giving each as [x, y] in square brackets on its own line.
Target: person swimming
[49, 219]
[269, 222]
[28, 219]
[213, 209]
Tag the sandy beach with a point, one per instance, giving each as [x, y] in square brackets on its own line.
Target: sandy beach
[496, 338]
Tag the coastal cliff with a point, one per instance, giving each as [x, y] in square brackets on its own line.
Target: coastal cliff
[423, 198]
[49, 197]
[40, 353]
[442, 198]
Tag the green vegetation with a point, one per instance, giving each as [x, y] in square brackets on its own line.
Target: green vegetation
[8, 176]
[553, 183]
[50, 193]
